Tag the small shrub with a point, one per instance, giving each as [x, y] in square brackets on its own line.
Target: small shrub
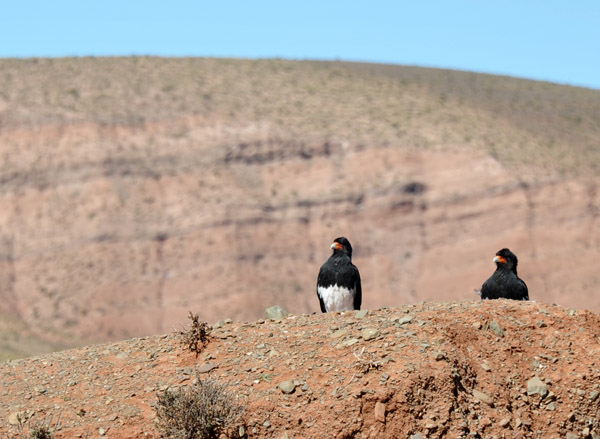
[201, 411]
[36, 430]
[41, 432]
[195, 338]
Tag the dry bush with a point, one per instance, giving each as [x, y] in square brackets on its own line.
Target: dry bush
[41, 432]
[27, 427]
[201, 411]
[196, 336]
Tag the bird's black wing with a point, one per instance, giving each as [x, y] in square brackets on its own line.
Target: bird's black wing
[319, 282]
[488, 289]
[358, 288]
[524, 291]
[321, 303]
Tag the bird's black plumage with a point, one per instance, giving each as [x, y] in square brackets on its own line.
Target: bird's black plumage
[338, 283]
[504, 283]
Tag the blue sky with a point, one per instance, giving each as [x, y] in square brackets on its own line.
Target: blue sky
[557, 41]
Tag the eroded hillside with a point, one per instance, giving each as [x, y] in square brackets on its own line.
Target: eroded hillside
[137, 189]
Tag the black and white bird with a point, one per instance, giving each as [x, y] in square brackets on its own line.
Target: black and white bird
[338, 284]
[504, 283]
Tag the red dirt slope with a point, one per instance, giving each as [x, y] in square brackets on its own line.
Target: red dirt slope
[431, 370]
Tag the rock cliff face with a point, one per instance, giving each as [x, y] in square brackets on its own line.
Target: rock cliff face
[111, 230]
[126, 245]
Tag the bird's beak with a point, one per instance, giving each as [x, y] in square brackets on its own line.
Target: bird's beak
[336, 246]
[500, 259]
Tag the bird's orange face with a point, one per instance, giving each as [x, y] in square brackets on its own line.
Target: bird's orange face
[500, 259]
[337, 246]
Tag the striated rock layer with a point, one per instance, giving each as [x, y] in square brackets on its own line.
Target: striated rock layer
[122, 247]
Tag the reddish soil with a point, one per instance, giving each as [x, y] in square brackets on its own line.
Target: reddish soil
[430, 370]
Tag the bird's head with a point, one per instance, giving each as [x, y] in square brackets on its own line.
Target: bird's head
[342, 245]
[506, 258]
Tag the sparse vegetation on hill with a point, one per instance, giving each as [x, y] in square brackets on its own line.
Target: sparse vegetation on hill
[195, 337]
[517, 120]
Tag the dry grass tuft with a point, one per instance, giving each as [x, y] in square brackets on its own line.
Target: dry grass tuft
[41, 432]
[28, 427]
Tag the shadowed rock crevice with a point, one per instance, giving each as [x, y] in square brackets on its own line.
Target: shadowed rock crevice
[261, 152]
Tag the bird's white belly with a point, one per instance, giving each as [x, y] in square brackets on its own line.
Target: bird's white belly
[337, 298]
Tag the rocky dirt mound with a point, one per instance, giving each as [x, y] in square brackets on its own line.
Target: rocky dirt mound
[464, 369]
